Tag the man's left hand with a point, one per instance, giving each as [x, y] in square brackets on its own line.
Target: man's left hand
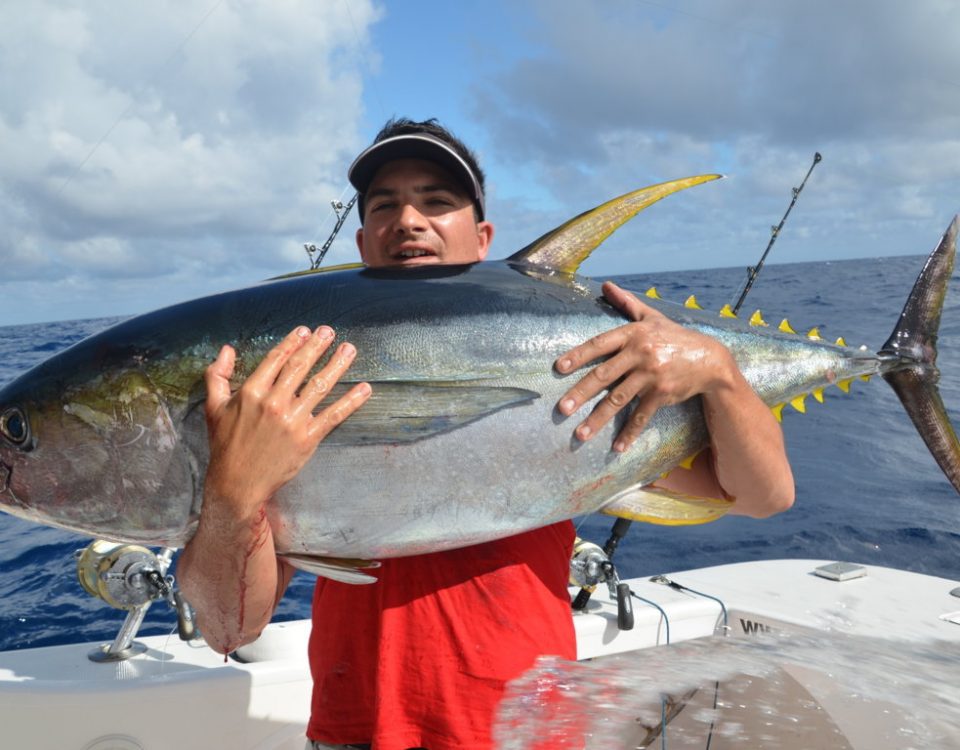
[652, 358]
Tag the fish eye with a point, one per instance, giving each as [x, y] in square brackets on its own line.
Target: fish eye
[14, 426]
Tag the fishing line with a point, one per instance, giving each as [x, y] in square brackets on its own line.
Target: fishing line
[133, 101]
[726, 631]
[663, 613]
[315, 254]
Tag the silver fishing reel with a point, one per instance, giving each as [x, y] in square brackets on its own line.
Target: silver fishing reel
[125, 576]
[589, 567]
[131, 578]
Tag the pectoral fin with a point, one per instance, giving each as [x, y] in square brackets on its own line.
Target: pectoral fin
[336, 568]
[665, 507]
[399, 412]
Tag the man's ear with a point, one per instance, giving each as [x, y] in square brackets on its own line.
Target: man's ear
[485, 237]
[359, 238]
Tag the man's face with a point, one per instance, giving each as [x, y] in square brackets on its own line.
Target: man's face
[418, 214]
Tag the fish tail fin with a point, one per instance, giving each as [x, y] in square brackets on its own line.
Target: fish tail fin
[914, 343]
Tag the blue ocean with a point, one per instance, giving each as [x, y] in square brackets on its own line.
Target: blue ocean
[867, 489]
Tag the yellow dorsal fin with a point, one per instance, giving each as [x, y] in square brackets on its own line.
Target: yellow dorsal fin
[840, 341]
[757, 319]
[785, 326]
[777, 410]
[800, 403]
[563, 249]
[814, 334]
[692, 303]
[844, 385]
[652, 293]
[322, 269]
[818, 394]
[865, 378]
[727, 312]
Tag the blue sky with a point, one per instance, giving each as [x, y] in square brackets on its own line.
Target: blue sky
[151, 153]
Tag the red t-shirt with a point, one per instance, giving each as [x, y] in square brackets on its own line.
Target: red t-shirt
[421, 658]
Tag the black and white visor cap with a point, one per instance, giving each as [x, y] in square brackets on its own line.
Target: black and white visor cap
[414, 146]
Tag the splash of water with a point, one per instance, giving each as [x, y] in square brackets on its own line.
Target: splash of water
[783, 691]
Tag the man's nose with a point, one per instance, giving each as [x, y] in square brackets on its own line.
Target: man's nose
[411, 219]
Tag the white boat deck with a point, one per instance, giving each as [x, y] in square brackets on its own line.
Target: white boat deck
[177, 695]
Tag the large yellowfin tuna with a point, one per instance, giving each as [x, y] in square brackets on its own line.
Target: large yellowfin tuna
[460, 442]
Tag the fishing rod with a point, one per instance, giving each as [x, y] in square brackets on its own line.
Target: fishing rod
[754, 271]
[341, 217]
[592, 564]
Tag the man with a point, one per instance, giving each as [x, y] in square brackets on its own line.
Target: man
[420, 658]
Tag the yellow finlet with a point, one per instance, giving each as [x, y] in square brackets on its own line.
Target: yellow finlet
[866, 378]
[818, 394]
[800, 403]
[844, 385]
[814, 334]
[785, 326]
[757, 319]
[840, 341]
[692, 303]
[652, 293]
[563, 249]
[777, 410]
[687, 463]
[727, 312]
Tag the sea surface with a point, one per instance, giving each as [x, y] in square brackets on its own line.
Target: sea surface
[867, 489]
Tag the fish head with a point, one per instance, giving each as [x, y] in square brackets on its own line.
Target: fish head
[93, 445]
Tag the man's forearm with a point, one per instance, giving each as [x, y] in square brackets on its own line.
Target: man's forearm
[231, 576]
[749, 457]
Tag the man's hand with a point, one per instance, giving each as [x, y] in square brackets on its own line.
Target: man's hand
[653, 358]
[262, 435]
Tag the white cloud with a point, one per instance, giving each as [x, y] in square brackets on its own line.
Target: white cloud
[138, 140]
[616, 95]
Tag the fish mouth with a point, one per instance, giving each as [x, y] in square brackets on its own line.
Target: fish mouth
[7, 496]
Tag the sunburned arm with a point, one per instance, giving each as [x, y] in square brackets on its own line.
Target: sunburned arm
[661, 363]
[260, 437]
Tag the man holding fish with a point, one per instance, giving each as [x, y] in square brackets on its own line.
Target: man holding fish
[421, 657]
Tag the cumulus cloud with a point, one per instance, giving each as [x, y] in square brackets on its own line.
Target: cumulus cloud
[156, 152]
[615, 95]
[138, 139]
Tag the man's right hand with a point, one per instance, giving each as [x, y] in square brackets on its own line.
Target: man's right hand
[262, 435]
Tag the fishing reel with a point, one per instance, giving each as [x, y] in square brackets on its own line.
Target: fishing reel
[131, 578]
[589, 567]
[125, 576]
